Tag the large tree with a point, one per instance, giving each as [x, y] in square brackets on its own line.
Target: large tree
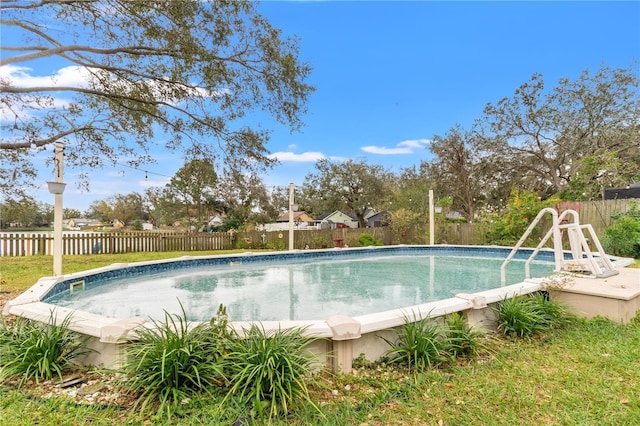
[546, 135]
[123, 208]
[162, 206]
[192, 185]
[458, 169]
[26, 212]
[245, 198]
[353, 186]
[127, 208]
[182, 75]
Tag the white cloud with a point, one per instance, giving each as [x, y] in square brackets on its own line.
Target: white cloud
[76, 76]
[404, 147]
[72, 76]
[305, 157]
[291, 146]
[21, 77]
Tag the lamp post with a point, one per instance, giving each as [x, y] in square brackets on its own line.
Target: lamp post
[57, 188]
[292, 208]
[432, 225]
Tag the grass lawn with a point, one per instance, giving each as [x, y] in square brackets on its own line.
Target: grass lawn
[587, 374]
[19, 273]
[584, 374]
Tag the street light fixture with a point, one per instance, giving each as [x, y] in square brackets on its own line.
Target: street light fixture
[56, 188]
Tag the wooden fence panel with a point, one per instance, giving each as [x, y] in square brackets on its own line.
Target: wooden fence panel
[25, 244]
[598, 213]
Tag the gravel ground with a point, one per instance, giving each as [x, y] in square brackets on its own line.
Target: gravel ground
[82, 387]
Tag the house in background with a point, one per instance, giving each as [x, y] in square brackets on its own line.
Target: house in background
[301, 221]
[455, 216]
[631, 191]
[79, 223]
[215, 221]
[336, 219]
[378, 219]
[299, 218]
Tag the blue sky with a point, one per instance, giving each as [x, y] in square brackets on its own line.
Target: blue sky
[391, 75]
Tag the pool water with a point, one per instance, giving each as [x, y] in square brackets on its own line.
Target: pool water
[310, 290]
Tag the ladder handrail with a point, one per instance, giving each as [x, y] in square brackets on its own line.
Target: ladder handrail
[557, 243]
[578, 244]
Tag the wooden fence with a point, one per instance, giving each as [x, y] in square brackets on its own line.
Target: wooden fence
[597, 213]
[29, 244]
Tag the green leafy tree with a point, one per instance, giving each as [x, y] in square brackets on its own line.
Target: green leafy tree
[186, 72]
[26, 212]
[192, 184]
[459, 169]
[543, 135]
[350, 185]
[246, 199]
[601, 170]
[623, 237]
[402, 221]
[71, 213]
[100, 210]
[120, 207]
[162, 206]
[127, 208]
[410, 191]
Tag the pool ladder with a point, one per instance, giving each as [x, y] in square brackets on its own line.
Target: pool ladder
[582, 260]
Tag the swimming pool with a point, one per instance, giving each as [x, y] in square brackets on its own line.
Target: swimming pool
[342, 335]
[308, 286]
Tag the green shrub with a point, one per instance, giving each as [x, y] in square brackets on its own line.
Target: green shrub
[462, 339]
[623, 237]
[366, 239]
[506, 227]
[318, 242]
[171, 362]
[278, 245]
[268, 370]
[457, 220]
[37, 351]
[420, 343]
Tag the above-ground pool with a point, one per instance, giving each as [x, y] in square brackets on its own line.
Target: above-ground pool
[309, 285]
[347, 299]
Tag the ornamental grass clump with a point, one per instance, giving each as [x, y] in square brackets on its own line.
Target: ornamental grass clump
[554, 314]
[170, 363]
[463, 340]
[525, 316]
[33, 350]
[519, 316]
[268, 370]
[420, 344]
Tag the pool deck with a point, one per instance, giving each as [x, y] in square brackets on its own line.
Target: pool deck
[616, 297]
